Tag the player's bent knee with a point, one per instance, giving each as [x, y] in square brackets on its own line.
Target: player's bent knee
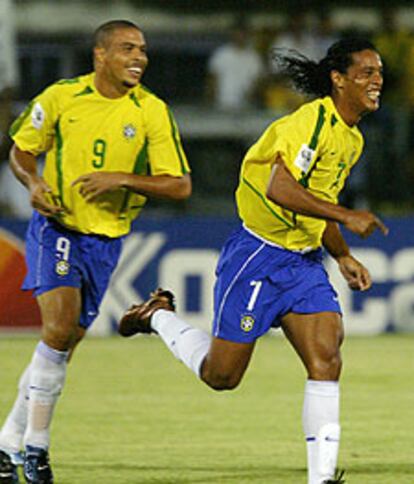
[325, 369]
[220, 381]
[59, 337]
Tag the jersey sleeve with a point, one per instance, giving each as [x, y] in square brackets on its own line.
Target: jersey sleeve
[165, 152]
[295, 139]
[34, 129]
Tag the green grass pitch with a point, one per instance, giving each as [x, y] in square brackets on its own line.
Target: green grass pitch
[130, 413]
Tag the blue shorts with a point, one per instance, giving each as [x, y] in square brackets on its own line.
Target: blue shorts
[258, 283]
[57, 256]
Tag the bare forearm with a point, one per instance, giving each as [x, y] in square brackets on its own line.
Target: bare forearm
[334, 242]
[175, 188]
[284, 190]
[23, 165]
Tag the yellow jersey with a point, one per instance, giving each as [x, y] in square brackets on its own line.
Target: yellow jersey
[82, 131]
[319, 149]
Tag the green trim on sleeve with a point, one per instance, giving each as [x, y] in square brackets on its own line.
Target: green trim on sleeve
[59, 169]
[141, 161]
[74, 80]
[304, 180]
[319, 123]
[177, 142]
[14, 128]
[263, 199]
[84, 92]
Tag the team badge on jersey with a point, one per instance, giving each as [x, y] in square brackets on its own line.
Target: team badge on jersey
[38, 116]
[247, 323]
[62, 267]
[129, 131]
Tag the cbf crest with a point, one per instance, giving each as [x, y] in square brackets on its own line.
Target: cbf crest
[62, 267]
[129, 131]
[247, 322]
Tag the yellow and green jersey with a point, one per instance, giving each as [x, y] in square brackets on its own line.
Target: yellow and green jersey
[319, 149]
[82, 132]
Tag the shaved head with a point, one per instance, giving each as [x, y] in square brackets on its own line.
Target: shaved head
[103, 33]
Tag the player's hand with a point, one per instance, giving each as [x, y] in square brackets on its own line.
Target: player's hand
[95, 184]
[42, 198]
[363, 223]
[355, 274]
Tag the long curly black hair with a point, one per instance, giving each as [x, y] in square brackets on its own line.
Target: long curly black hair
[311, 77]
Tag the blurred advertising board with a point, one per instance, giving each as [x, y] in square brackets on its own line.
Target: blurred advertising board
[181, 253]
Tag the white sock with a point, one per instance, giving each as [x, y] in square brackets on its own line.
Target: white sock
[11, 435]
[321, 428]
[188, 344]
[47, 376]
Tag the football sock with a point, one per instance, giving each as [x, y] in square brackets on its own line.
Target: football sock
[47, 376]
[11, 435]
[188, 344]
[321, 428]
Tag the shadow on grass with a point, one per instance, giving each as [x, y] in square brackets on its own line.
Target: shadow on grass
[390, 468]
[188, 474]
[145, 474]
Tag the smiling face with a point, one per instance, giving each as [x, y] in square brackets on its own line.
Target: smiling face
[120, 61]
[358, 91]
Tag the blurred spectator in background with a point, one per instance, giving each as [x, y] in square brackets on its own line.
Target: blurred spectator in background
[13, 198]
[309, 36]
[297, 36]
[234, 72]
[323, 33]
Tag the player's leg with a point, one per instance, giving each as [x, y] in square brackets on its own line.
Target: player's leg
[81, 332]
[225, 363]
[239, 319]
[13, 430]
[11, 434]
[60, 311]
[317, 339]
[66, 312]
[219, 363]
[48, 257]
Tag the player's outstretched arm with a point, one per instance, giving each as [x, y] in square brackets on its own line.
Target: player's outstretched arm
[285, 190]
[92, 185]
[24, 166]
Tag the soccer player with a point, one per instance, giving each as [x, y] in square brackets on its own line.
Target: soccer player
[110, 143]
[270, 272]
